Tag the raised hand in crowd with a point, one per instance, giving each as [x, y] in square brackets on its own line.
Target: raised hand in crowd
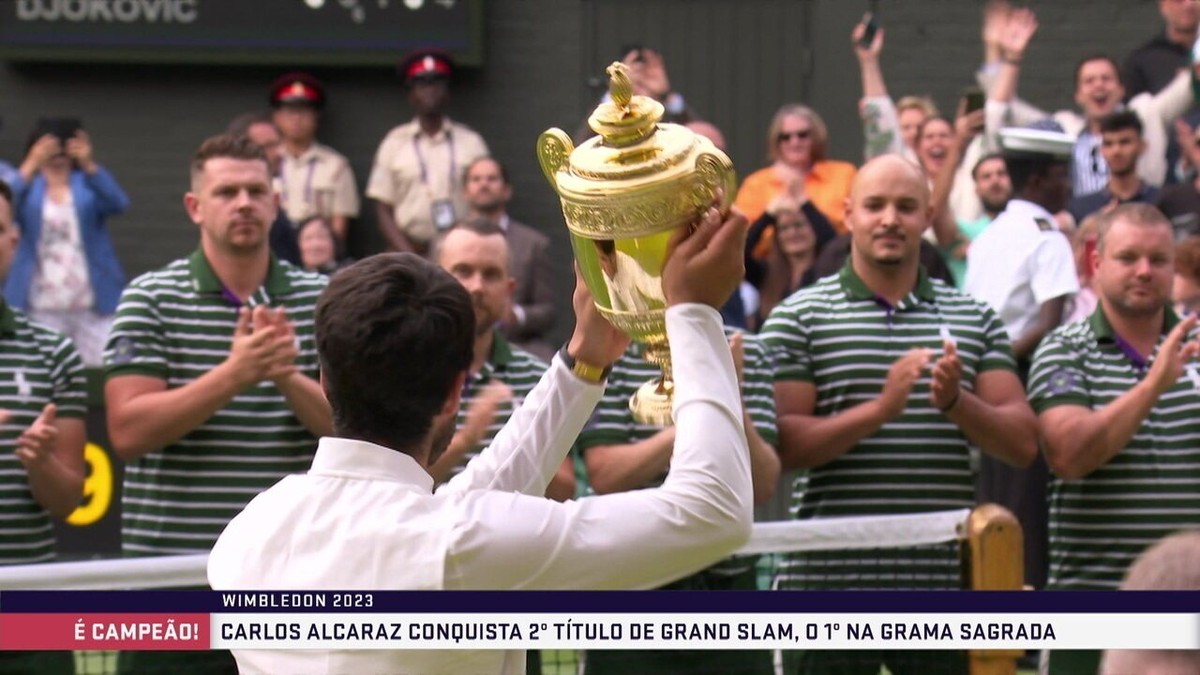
[647, 73]
[1175, 354]
[995, 21]
[79, 148]
[44, 148]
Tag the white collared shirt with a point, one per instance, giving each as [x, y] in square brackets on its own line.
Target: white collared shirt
[1015, 265]
[365, 516]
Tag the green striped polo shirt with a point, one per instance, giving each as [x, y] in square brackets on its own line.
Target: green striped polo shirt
[1101, 522]
[37, 366]
[612, 422]
[840, 336]
[511, 365]
[176, 324]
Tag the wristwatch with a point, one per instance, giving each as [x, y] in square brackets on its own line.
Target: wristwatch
[584, 371]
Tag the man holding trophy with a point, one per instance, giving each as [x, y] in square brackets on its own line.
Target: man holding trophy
[489, 527]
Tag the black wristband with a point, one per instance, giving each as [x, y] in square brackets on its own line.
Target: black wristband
[584, 371]
[954, 402]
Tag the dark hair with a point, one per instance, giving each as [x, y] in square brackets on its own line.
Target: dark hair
[393, 332]
[488, 158]
[324, 224]
[240, 125]
[479, 225]
[7, 193]
[227, 146]
[1120, 121]
[1022, 168]
[986, 158]
[1096, 57]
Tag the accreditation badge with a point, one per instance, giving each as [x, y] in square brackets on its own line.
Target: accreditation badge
[442, 214]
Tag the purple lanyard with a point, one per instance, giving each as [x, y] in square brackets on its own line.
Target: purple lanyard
[421, 158]
[312, 163]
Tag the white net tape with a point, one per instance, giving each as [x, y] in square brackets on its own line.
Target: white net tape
[776, 537]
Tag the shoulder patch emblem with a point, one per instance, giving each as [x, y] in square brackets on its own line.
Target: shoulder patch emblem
[122, 352]
[1044, 225]
[1062, 381]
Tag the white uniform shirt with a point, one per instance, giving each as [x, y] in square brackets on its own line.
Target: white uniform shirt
[319, 182]
[365, 517]
[1017, 263]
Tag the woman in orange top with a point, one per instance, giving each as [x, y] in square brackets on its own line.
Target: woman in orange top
[796, 146]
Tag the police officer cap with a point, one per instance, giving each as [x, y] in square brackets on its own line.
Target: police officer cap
[297, 89]
[426, 64]
[1042, 139]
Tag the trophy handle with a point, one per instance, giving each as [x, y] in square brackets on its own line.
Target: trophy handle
[554, 148]
[714, 170]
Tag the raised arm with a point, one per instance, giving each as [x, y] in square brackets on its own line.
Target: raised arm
[1078, 440]
[881, 123]
[644, 538]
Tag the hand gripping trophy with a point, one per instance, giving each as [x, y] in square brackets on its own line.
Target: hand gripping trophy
[623, 194]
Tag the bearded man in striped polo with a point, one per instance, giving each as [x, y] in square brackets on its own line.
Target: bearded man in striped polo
[884, 379]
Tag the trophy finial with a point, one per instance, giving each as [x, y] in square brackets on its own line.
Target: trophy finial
[626, 119]
[619, 85]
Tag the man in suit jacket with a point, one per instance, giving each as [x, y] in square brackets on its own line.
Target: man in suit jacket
[531, 313]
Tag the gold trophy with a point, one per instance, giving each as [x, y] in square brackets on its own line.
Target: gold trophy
[624, 193]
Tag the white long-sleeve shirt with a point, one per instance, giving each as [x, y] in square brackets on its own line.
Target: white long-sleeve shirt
[366, 517]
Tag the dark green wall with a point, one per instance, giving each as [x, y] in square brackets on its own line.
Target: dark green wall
[735, 60]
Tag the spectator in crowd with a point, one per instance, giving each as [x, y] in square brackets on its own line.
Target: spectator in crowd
[212, 388]
[501, 374]
[945, 227]
[1181, 202]
[622, 454]
[314, 179]
[320, 249]
[1152, 66]
[1098, 93]
[1022, 267]
[647, 71]
[41, 445]
[888, 127]
[1121, 144]
[800, 233]
[417, 178]
[1116, 397]
[797, 147]
[1185, 290]
[260, 128]
[994, 188]
[1083, 244]
[1169, 565]
[856, 402]
[530, 314]
[489, 528]
[66, 273]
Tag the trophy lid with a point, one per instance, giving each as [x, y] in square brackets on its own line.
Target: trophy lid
[626, 119]
[632, 141]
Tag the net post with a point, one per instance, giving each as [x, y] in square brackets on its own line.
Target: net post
[996, 550]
